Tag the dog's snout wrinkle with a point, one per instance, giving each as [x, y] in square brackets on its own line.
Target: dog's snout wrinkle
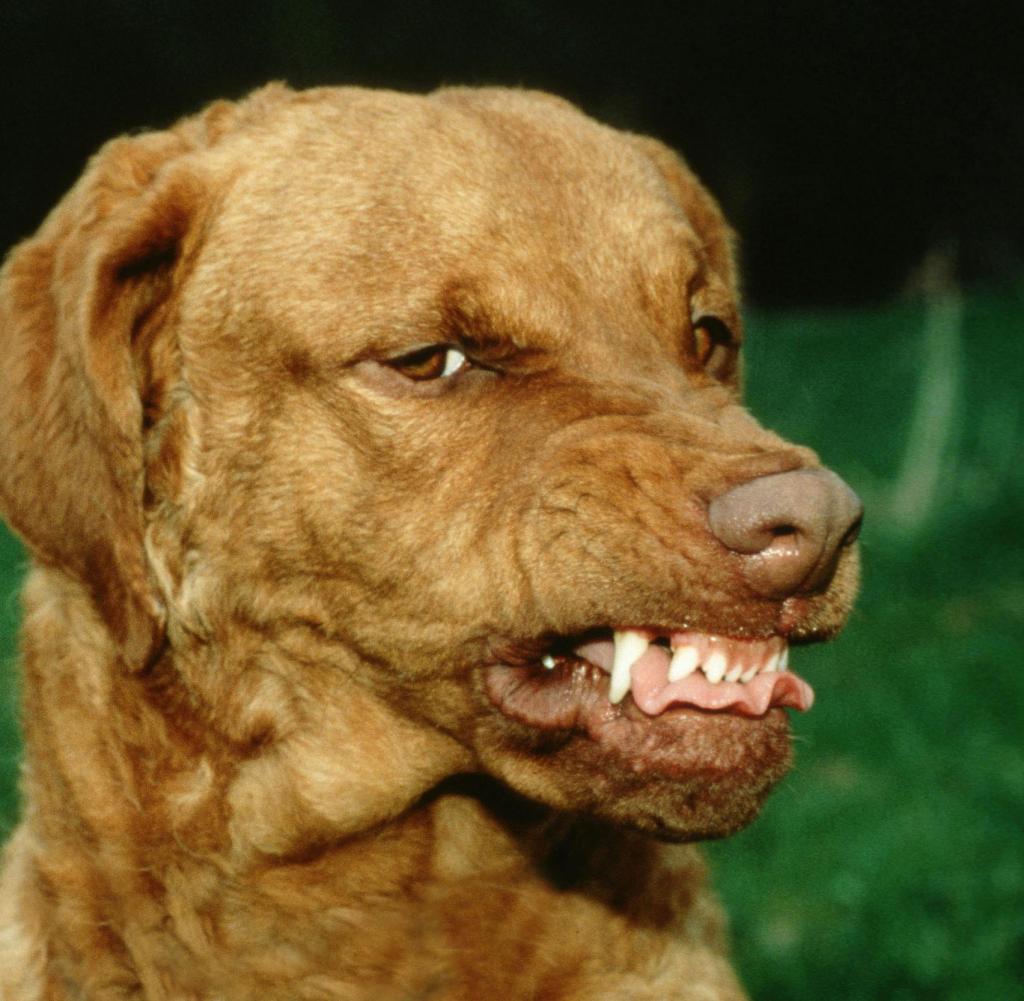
[789, 528]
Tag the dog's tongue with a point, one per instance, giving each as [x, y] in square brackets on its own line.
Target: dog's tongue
[653, 693]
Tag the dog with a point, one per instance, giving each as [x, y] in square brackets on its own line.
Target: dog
[410, 589]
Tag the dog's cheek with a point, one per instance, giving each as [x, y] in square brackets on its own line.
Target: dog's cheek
[396, 528]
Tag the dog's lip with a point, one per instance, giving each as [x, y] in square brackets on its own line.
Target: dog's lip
[570, 701]
[673, 730]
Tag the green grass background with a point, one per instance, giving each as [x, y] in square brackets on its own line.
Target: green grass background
[890, 865]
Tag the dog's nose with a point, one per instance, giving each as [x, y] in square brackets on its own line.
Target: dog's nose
[789, 527]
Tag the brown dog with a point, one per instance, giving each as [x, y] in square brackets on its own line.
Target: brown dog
[345, 429]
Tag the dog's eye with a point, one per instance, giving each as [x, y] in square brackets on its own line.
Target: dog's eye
[714, 346]
[437, 361]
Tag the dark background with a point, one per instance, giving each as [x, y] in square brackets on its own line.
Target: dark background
[845, 140]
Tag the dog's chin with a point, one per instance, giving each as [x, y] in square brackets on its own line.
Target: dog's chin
[684, 773]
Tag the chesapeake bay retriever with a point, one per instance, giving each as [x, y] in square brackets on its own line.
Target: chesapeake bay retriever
[410, 589]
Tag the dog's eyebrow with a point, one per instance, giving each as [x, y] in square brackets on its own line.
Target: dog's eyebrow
[467, 319]
[487, 342]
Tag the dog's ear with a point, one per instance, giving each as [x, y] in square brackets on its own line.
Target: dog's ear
[700, 207]
[73, 301]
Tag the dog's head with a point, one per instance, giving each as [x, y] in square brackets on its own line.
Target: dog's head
[388, 432]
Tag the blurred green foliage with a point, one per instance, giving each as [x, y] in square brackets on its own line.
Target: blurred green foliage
[11, 568]
[889, 864]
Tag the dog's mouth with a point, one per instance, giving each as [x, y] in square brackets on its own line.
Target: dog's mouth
[639, 692]
[702, 670]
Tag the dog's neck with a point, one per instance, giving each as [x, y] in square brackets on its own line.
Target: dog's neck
[138, 820]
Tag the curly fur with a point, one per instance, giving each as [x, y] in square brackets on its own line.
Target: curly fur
[267, 569]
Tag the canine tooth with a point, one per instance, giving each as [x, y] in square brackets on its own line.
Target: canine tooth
[784, 658]
[772, 663]
[715, 667]
[684, 662]
[630, 646]
[733, 674]
[548, 661]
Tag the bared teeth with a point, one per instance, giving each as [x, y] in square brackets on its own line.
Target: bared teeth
[685, 660]
[750, 673]
[722, 659]
[630, 646]
[715, 667]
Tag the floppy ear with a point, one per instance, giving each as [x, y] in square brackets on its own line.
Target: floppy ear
[73, 299]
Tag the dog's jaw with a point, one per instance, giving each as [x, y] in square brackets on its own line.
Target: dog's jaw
[682, 772]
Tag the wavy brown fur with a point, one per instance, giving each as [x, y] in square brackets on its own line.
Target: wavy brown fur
[267, 570]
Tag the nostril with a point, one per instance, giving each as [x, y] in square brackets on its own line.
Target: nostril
[788, 528]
